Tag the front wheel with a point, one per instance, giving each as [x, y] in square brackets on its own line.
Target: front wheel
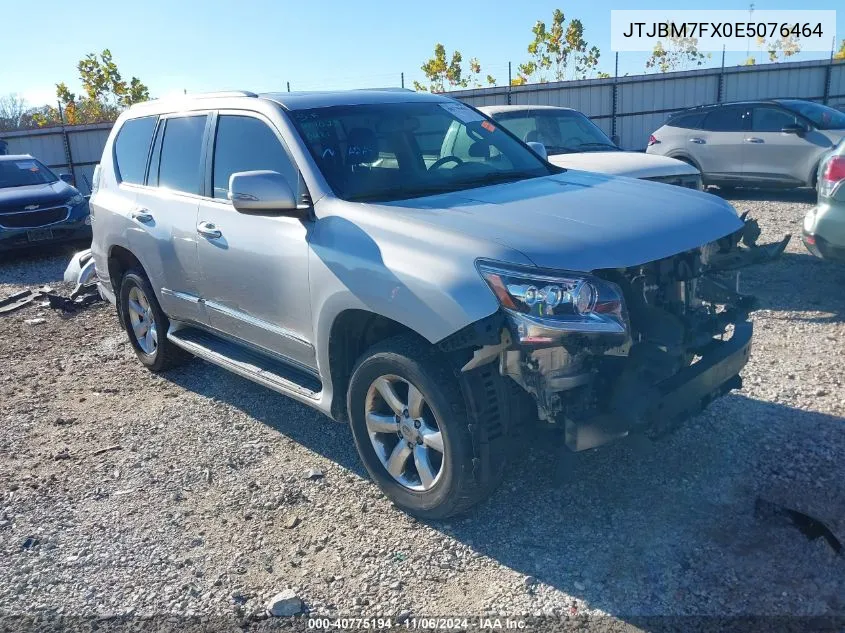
[409, 423]
[146, 324]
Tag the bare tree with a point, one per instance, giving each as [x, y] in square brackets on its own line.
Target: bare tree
[12, 108]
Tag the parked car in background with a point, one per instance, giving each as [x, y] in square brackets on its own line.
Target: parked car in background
[824, 226]
[776, 143]
[573, 141]
[38, 207]
[333, 247]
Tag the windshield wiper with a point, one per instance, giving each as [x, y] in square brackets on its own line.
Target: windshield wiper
[399, 193]
[499, 176]
[598, 144]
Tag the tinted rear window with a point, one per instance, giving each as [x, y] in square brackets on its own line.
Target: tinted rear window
[132, 147]
[690, 121]
[180, 168]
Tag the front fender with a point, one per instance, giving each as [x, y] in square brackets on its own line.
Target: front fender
[417, 276]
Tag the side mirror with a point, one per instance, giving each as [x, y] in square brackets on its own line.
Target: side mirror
[68, 178]
[538, 149]
[262, 192]
[794, 128]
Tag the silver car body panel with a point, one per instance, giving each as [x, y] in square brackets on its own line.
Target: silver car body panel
[280, 283]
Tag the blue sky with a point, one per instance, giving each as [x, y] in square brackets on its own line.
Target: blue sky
[262, 44]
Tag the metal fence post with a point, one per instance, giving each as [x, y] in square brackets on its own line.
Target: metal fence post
[66, 143]
[509, 83]
[827, 76]
[720, 88]
[288, 86]
[614, 99]
[403, 79]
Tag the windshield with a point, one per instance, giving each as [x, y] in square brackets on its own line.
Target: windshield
[823, 117]
[561, 131]
[395, 151]
[24, 171]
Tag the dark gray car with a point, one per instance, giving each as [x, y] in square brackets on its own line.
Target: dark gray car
[37, 207]
[777, 143]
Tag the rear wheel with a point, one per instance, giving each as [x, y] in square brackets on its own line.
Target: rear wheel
[146, 324]
[409, 423]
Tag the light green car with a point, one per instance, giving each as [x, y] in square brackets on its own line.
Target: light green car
[824, 226]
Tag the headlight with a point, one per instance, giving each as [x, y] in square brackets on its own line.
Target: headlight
[557, 300]
[75, 199]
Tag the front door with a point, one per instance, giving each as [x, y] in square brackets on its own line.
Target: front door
[254, 267]
[772, 155]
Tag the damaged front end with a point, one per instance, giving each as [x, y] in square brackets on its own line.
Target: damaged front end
[617, 351]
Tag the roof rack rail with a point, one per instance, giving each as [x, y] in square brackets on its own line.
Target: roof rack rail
[389, 89]
[221, 93]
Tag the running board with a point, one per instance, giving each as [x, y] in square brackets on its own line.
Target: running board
[246, 362]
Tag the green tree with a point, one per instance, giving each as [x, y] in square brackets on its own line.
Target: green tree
[781, 49]
[104, 91]
[558, 52]
[679, 53]
[443, 72]
[840, 54]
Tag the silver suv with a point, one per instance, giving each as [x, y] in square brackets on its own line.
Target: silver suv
[325, 246]
[776, 143]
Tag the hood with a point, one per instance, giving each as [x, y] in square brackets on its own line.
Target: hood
[45, 195]
[579, 221]
[631, 164]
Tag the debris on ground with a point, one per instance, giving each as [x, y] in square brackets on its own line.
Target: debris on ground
[314, 473]
[283, 604]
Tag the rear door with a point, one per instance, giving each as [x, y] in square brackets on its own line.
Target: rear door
[165, 239]
[718, 146]
[775, 156]
[254, 267]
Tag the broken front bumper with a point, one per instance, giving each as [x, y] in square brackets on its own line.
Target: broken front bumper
[675, 399]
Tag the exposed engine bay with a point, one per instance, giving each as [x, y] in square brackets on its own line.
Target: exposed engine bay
[686, 339]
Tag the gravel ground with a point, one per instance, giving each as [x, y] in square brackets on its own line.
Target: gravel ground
[126, 493]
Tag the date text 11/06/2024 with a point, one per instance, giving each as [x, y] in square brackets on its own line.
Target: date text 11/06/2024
[417, 623]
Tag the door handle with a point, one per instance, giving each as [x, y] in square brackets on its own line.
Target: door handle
[142, 215]
[753, 139]
[695, 139]
[207, 229]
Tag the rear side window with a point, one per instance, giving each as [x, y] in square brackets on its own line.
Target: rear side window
[180, 166]
[132, 147]
[245, 143]
[690, 121]
[727, 119]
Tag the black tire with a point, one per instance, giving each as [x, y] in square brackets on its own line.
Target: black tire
[166, 354]
[416, 361]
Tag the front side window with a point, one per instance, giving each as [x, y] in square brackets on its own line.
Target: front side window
[180, 165]
[24, 171]
[771, 120]
[131, 148]
[822, 116]
[244, 143]
[395, 151]
[727, 119]
[561, 131]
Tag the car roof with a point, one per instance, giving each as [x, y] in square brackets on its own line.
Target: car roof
[287, 100]
[499, 109]
[749, 102]
[322, 99]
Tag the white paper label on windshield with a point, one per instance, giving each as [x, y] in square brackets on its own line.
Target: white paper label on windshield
[26, 164]
[462, 112]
